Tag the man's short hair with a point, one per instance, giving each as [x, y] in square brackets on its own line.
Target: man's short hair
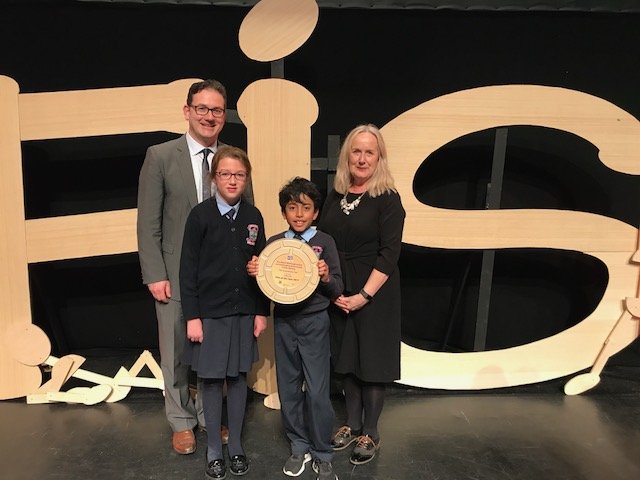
[206, 85]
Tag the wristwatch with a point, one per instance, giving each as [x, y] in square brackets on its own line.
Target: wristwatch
[366, 295]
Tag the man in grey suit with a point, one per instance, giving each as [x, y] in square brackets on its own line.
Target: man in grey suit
[174, 178]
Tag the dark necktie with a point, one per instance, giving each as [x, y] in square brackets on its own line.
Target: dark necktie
[230, 214]
[206, 181]
[297, 236]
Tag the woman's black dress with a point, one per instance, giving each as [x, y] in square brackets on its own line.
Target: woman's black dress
[366, 342]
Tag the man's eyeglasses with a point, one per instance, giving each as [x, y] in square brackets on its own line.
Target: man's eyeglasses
[226, 176]
[202, 110]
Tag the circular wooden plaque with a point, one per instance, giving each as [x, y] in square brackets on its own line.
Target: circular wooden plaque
[287, 271]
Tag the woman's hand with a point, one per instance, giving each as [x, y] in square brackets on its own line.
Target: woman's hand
[351, 303]
[259, 325]
[194, 330]
[252, 267]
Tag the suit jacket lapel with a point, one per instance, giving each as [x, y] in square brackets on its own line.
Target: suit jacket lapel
[183, 159]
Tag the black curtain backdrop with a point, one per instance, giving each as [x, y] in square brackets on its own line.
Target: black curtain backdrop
[618, 6]
[362, 66]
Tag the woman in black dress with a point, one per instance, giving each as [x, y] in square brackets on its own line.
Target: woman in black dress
[364, 215]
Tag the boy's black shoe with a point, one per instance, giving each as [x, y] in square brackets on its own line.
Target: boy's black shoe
[324, 470]
[295, 464]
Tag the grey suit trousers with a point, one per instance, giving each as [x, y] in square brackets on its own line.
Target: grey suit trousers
[181, 411]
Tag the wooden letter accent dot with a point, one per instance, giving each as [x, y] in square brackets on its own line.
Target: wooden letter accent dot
[278, 115]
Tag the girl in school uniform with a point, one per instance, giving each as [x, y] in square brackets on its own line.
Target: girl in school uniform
[224, 309]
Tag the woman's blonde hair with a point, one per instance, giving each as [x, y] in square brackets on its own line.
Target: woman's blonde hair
[381, 181]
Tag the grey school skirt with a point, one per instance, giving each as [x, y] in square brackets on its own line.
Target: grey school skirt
[227, 349]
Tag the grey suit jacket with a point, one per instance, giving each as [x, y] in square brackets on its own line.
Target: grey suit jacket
[166, 195]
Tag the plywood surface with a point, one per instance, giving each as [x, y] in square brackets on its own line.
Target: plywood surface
[51, 115]
[107, 111]
[414, 135]
[278, 115]
[274, 29]
[77, 236]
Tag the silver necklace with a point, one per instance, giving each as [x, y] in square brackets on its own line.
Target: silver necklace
[348, 207]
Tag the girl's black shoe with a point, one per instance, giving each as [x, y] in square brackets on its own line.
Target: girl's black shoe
[239, 465]
[216, 470]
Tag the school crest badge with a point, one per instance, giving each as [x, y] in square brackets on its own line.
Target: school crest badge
[253, 234]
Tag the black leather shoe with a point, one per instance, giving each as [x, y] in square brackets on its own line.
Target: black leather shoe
[364, 450]
[343, 438]
[216, 470]
[239, 465]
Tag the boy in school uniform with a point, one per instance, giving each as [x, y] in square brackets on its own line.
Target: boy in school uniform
[302, 347]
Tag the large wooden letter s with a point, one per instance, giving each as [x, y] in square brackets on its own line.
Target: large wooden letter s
[415, 134]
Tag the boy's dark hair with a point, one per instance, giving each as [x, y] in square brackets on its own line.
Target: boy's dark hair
[297, 187]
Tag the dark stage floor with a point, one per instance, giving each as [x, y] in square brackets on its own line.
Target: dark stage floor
[533, 432]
